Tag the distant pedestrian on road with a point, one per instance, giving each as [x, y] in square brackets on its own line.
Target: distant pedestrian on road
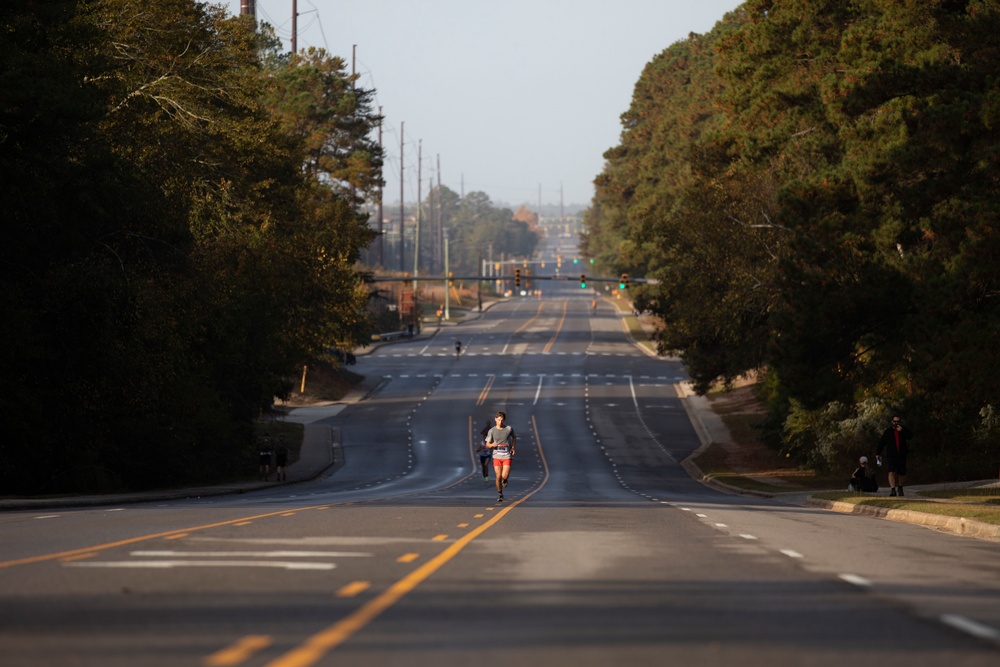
[458, 348]
[485, 453]
[265, 457]
[281, 460]
[895, 441]
[502, 440]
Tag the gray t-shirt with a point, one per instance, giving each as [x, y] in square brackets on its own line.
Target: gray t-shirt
[502, 437]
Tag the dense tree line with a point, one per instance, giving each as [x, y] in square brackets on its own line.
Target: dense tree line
[181, 227]
[477, 229]
[814, 185]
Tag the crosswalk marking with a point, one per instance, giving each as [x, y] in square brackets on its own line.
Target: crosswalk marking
[661, 378]
[168, 564]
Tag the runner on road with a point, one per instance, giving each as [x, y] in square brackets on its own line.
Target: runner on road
[485, 454]
[501, 439]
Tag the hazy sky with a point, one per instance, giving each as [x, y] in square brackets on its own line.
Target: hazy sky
[511, 94]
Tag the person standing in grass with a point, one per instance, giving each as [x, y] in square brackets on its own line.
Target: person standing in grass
[501, 439]
[895, 441]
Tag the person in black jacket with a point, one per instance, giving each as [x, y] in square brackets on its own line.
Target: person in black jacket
[895, 441]
[863, 480]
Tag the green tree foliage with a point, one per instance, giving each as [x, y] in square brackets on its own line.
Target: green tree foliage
[316, 101]
[168, 258]
[838, 207]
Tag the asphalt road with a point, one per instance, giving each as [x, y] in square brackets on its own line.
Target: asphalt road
[604, 551]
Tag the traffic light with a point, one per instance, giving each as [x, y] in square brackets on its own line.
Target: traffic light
[559, 261]
[451, 283]
[623, 283]
[583, 281]
[517, 278]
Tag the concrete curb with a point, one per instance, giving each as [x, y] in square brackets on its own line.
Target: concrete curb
[949, 524]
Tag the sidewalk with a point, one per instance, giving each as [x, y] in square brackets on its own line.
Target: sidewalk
[711, 429]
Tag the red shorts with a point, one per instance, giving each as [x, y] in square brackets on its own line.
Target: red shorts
[499, 463]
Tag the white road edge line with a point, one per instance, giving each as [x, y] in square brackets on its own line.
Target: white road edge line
[746, 536]
[971, 627]
[856, 580]
[792, 554]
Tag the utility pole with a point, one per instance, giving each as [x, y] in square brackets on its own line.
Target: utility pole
[420, 206]
[440, 233]
[402, 206]
[248, 8]
[381, 231]
[562, 217]
[447, 286]
[539, 204]
[435, 255]
[295, 26]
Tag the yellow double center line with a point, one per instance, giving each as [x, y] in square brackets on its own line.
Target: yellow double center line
[555, 334]
[538, 311]
[486, 390]
[324, 641]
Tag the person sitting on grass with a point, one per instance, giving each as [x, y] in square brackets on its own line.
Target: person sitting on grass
[863, 479]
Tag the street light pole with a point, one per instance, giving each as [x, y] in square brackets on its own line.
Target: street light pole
[447, 288]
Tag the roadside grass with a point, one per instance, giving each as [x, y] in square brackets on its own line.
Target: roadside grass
[715, 463]
[748, 463]
[988, 495]
[324, 382]
[634, 326]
